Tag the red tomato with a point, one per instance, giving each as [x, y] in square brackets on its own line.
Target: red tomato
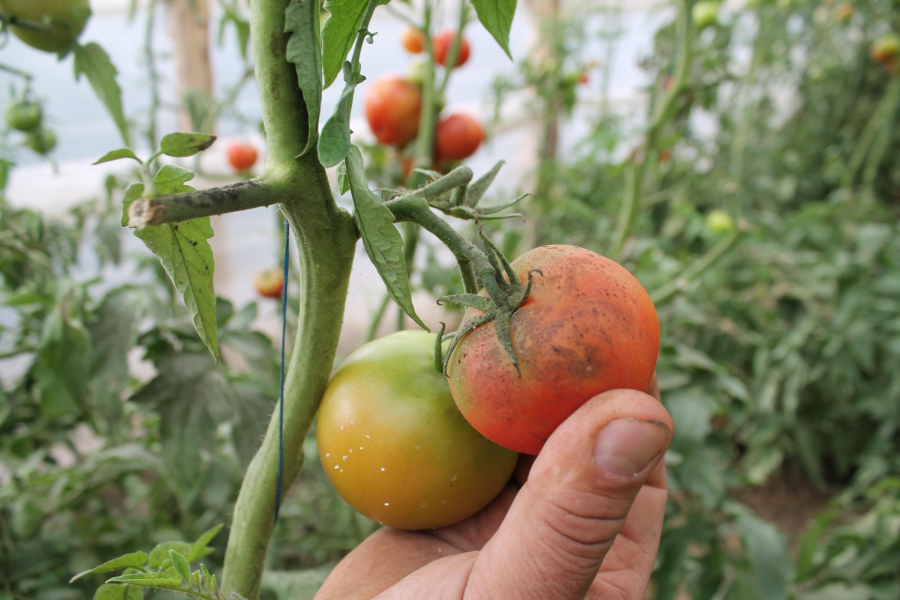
[413, 40]
[269, 282]
[587, 328]
[457, 137]
[393, 105]
[242, 156]
[442, 44]
[584, 78]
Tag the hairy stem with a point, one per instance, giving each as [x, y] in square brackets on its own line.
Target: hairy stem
[664, 113]
[202, 203]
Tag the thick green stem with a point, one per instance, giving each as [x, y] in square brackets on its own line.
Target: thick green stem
[425, 139]
[203, 203]
[664, 113]
[326, 239]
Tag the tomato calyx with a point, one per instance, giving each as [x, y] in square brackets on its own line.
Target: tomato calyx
[505, 296]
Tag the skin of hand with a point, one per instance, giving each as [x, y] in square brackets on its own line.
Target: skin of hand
[581, 520]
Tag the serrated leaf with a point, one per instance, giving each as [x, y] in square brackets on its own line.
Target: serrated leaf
[112, 591]
[182, 566]
[185, 144]
[334, 142]
[184, 251]
[171, 179]
[480, 186]
[497, 17]
[202, 542]
[92, 61]
[159, 581]
[382, 240]
[135, 559]
[160, 554]
[116, 155]
[339, 33]
[343, 181]
[304, 49]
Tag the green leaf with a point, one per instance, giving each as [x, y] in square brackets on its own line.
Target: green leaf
[809, 544]
[497, 17]
[339, 33]
[343, 181]
[62, 364]
[182, 566]
[201, 543]
[112, 591]
[159, 581]
[184, 251]
[185, 144]
[135, 559]
[768, 555]
[117, 154]
[382, 240]
[159, 556]
[92, 61]
[304, 49]
[334, 143]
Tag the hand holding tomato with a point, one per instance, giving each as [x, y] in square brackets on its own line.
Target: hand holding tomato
[586, 525]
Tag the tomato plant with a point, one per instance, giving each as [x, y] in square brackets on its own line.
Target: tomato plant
[394, 444]
[412, 39]
[457, 137]
[65, 18]
[392, 109]
[24, 115]
[242, 156]
[269, 283]
[587, 327]
[706, 14]
[443, 42]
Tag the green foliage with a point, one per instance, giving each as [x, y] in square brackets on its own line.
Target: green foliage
[497, 16]
[92, 61]
[305, 51]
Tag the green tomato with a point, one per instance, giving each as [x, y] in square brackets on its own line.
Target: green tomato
[705, 14]
[719, 221]
[41, 141]
[417, 71]
[66, 18]
[395, 446]
[24, 116]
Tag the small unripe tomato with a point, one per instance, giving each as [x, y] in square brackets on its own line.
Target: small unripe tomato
[705, 14]
[843, 11]
[413, 40]
[393, 105]
[457, 137]
[242, 156]
[42, 141]
[269, 283]
[443, 42]
[719, 221]
[65, 18]
[886, 48]
[24, 115]
[395, 446]
[417, 71]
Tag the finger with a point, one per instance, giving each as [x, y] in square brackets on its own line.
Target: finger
[385, 557]
[523, 468]
[626, 570]
[443, 579]
[579, 492]
[473, 533]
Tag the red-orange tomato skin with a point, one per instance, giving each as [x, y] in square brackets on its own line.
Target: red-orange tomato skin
[392, 109]
[457, 137]
[588, 327]
[443, 42]
[242, 156]
[413, 40]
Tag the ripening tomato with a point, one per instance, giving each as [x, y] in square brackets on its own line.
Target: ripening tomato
[66, 19]
[413, 40]
[242, 156]
[393, 105]
[24, 115]
[886, 48]
[588, 327]
[583, 78]
[395, 446]
[457, 137]
[269, 283]
[442, 44]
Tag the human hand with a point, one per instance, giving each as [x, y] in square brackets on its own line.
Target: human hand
[585, 523]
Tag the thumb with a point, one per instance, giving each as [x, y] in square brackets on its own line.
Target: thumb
[576, 499]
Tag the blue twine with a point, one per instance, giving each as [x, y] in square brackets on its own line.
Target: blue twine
[287, 240]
